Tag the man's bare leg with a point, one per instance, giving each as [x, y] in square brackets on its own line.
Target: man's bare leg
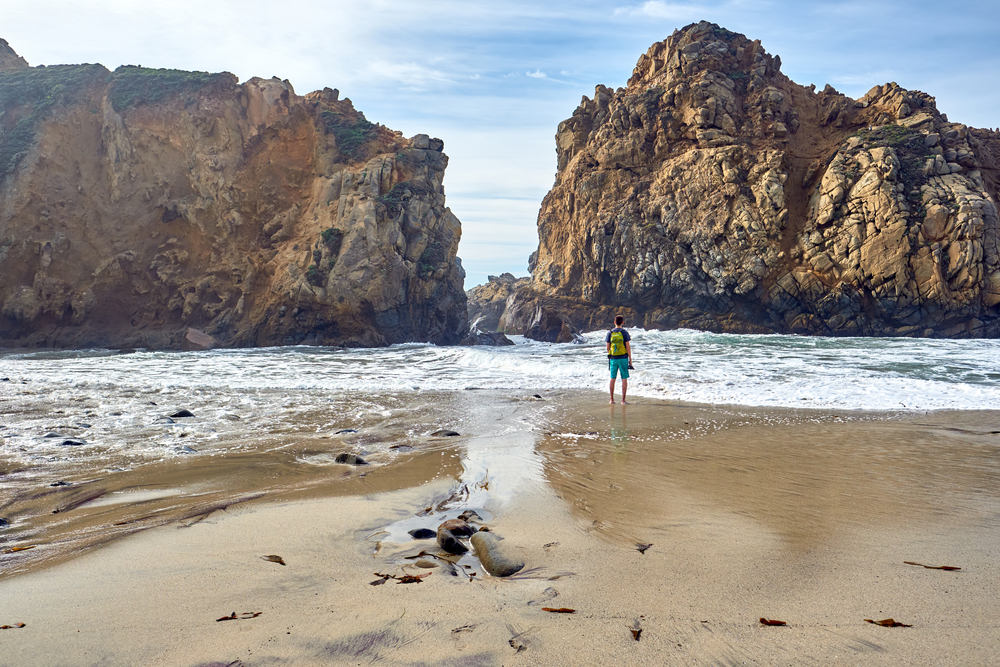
[624, 390]
[612, 386]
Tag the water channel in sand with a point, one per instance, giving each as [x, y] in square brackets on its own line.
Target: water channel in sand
[61, 499]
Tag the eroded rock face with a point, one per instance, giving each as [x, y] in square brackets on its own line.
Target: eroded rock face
[715, 193]
[139, 204]
[9, 60]
[487, 302]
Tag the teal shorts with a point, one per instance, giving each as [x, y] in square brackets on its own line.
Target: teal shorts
[619, 365]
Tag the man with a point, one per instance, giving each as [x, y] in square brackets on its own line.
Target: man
[619, 356]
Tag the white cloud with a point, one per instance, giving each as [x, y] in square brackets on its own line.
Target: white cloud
[537, 74]
[658, 9]
[411, 76]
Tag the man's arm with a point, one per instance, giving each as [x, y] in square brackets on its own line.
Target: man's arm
[628, 348]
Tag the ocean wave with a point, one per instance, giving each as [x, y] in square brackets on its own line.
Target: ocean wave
[688, 366]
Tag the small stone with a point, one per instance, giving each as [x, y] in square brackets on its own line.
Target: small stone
[450, 542]
[470, 515]
[458, 527]
[4, 522]
[422, 534]
[444, 433]
[346, 430]
[61, 483]
[182, 413]
[449, 534]
[351, 459]
[940, 166]
[426, 564]
[72, 443]
[496, 557]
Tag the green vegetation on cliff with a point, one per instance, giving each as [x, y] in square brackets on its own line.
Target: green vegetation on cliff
[432, 257]
[911, 151]
[331, 238]
[351, 134]
[27, 97]
[132, 86]
[393, 200]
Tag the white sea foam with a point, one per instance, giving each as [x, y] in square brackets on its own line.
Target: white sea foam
[791, 371]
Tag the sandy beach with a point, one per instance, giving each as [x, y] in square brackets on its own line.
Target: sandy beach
[804, 517]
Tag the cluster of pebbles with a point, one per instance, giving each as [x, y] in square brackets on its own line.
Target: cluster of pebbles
[496, 557]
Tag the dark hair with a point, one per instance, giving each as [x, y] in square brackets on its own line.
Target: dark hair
[619, 320]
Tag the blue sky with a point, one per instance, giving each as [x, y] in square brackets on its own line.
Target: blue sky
[494, 79]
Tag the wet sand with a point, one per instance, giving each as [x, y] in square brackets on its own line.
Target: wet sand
[806, 517]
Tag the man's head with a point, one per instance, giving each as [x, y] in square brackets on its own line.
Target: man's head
[619, 320]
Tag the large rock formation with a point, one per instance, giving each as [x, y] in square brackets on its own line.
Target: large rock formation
[140, 205]
[713, 192]
[488, 302]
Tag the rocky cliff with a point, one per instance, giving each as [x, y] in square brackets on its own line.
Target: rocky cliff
[715, 193]
[140, 206]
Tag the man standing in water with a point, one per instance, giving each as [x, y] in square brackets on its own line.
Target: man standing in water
[619, 356]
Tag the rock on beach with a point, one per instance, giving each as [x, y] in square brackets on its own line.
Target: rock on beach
[197, 340]
[422, 533]
[497, 558]
[449, 534]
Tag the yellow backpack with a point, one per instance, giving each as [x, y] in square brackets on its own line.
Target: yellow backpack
[617, 344]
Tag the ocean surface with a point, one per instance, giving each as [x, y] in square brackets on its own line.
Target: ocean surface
[687, 366]
[90, 451]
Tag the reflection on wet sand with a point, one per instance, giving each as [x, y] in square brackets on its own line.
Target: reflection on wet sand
[799, 478]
